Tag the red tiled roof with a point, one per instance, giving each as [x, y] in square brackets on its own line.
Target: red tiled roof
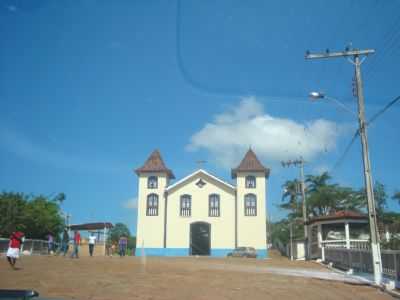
[155, 163]
[339, 215]
[250, 163]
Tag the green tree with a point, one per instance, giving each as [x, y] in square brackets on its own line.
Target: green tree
[290, 198]
[132, 242]
[36, 216]
[324, 198]
[12, 212]
[380, 197]
[396, 196]
[314, 182]
[42, 216]
[119, 229]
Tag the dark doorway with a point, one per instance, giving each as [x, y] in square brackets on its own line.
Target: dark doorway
[200, 238]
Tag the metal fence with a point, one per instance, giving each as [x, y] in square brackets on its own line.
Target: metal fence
[360, 260]
[33, 246]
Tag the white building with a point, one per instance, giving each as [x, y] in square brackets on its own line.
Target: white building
[201, 214]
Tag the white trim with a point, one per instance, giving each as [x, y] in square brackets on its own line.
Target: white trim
[200, 171]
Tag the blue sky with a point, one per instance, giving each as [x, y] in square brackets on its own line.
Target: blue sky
[89, 88]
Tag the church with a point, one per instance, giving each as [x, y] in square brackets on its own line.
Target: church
[201, 214]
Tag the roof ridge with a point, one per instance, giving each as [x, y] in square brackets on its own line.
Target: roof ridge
[250, 163]
[155, 163]
[187, 177]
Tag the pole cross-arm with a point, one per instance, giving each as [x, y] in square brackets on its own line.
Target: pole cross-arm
[338, 54]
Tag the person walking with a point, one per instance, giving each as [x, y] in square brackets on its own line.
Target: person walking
[50, 243]
[77, 243]
[65, 242]
[92, 241]
[122, 243]
[113, 248]
[14, 245]
[108, 247]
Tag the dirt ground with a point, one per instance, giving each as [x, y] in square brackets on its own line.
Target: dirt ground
[172, 278]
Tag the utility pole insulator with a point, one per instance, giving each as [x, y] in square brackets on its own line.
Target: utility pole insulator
[354, 87]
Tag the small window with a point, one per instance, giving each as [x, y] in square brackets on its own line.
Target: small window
[213, 205]
[250, 205]
[152, 205]
[152, 182]
[186, 206]
[250, 182]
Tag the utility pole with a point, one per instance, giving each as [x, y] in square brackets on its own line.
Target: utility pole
[300, 163]
[375, 246]
[291, 239]
[67, 217]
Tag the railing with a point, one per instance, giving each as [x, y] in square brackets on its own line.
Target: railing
[334, 244]
[33, 246]
[360, 260]
[350, 244]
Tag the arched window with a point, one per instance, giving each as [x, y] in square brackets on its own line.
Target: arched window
[152, 205]
[152, 182]
[186, 206]
[250, 182]
[213, 205]
[250, 205]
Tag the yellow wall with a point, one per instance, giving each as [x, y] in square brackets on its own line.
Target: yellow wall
[252, 229]
[222, 228]
[150, 229]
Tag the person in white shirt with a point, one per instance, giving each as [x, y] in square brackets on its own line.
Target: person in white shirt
[92, 241]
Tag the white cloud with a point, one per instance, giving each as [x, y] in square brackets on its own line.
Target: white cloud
[130, 203]
[273, 138]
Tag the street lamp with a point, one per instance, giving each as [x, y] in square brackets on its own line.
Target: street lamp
[315, 96]
[375, 245]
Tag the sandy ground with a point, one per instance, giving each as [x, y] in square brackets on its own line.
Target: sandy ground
[173, 278]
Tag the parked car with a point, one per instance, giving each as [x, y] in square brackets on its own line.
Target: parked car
[248, 252]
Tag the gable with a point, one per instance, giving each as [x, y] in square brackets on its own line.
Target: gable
[200, 180]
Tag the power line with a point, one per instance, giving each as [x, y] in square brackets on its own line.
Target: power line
[389, 43]
[345, 152]
[383, 110]
[357, 133]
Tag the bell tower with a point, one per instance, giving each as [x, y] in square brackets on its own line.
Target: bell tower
[251, 202]
[153, 179]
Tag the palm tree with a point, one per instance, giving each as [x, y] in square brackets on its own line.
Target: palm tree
[317, 181]
[324, 198]
[290, 195]
[396, 196]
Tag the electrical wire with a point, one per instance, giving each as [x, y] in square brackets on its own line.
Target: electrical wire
[389, 43]
[346, 151]
[383, 110]
[357, 133]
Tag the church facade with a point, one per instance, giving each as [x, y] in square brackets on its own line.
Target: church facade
[201, 214]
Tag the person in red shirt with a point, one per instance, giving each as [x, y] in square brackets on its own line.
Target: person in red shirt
[77, 242]
[16, 240]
